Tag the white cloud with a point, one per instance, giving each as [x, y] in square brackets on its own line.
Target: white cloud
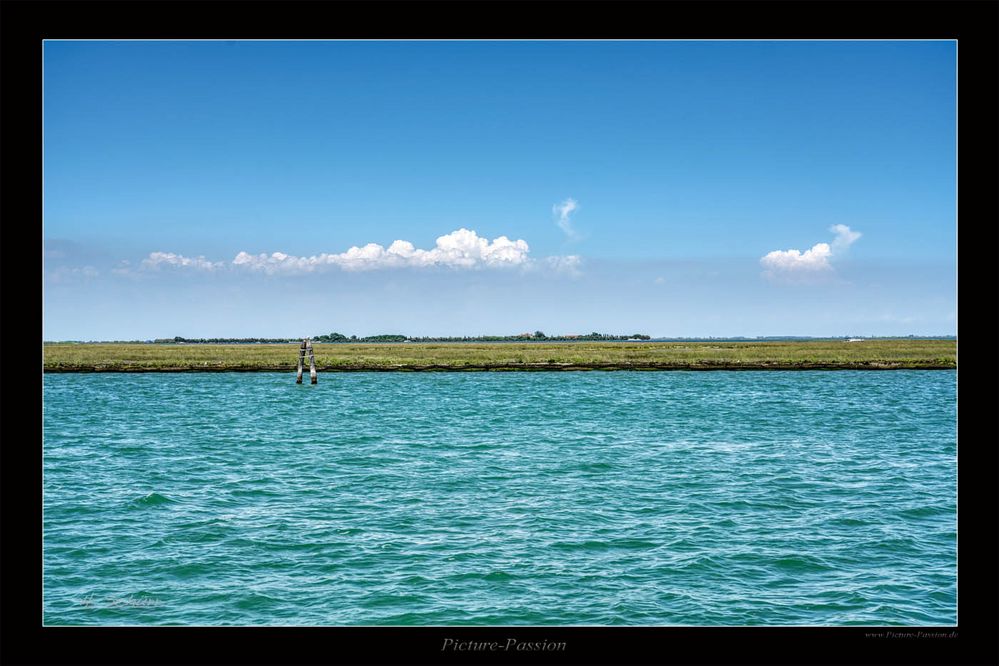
[797, 266]
[156, 260]
[563, 211]
[461, 249]
[815, 259]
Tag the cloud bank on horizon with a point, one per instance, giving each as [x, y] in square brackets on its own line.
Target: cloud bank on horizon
[158, 259]
[798, 266]
[460, 249]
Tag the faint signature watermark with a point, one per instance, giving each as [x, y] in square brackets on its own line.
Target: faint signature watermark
[93, 601]
[911, 634]
[509, 645]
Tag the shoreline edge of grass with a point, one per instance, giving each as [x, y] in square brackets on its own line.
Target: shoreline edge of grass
[507, 357]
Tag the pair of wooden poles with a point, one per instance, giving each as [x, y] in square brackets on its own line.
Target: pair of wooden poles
[306, 347]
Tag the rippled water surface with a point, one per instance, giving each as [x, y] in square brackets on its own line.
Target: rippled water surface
[592, 498]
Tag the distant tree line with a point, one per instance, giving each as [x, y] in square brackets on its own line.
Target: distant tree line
[340, 337]
[537, 335]
[223, 341]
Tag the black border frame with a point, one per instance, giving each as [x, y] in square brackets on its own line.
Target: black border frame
[25, 24]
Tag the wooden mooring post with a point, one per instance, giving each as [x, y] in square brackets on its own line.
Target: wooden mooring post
[306, 347]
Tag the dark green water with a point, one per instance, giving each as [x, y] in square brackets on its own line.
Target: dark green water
[660, 498]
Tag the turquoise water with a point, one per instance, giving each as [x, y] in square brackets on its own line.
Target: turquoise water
[591, 498]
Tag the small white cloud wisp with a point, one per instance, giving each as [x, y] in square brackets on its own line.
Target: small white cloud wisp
[64, 274]
[562, 212]
[460, 249]
[845, 237]
[569, 264]
[795, 265]
[157, 260]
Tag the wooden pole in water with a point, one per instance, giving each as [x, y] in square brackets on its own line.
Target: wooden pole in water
[312, 362]
[301, 358]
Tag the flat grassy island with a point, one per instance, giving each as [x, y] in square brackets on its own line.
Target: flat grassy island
[888, 354]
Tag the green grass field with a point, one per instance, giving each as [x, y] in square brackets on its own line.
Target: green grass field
[831, 354]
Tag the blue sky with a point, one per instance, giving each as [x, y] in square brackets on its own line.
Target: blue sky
[669, 188]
